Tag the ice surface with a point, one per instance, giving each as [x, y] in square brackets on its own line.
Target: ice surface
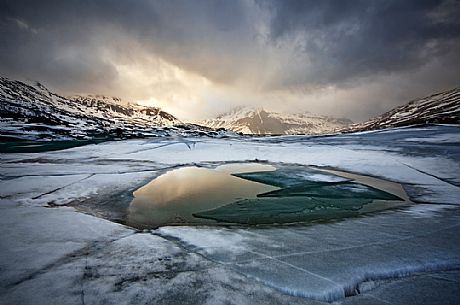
[285, 176]
[340, 190]
[333, 258]
[28, 187]
[428, 289]
[445, 138]
[285, 210]
[34, 238]
[61, 256]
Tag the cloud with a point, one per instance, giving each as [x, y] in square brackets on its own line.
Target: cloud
[230, 52]
[345, 40]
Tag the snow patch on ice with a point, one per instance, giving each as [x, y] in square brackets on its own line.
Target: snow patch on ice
[444, 138]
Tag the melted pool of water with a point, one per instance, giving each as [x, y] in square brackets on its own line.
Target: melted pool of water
[253, 193]
[175, 196]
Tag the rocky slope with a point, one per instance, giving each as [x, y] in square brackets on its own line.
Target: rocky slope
[441, 107]
[260, 121]
[34, 112]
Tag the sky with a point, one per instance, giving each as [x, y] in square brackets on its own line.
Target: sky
[196, 59]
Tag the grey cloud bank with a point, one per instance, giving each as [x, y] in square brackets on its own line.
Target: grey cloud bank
[353, 58]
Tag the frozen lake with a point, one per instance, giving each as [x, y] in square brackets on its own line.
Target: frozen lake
[254, 194]
[365, 218]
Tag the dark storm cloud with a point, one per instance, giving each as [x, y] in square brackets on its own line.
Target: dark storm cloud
[272, 45]
[346, 39]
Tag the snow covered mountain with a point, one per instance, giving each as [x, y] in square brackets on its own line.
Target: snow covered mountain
[34, 112]
[105, 107]
[259, 121]
[441, 107]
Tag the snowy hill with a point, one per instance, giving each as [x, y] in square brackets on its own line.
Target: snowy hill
[34, 112]
[441, 107]
[104, 107]
[260, 121]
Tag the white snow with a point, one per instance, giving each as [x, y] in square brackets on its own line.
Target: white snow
[61, 256]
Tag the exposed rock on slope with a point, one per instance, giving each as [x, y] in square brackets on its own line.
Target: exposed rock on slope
[441, 107]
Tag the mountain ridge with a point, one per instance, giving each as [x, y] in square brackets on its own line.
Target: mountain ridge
[437, 108]
[248, 120]
[32, 111]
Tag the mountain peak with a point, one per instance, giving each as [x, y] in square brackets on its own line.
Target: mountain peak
[241, 111]
[99, 97]
[257, 120]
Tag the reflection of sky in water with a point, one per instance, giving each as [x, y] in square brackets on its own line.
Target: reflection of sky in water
[174, 196]
[259, 194]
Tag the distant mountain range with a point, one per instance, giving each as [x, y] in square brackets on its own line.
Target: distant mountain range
[439, 108]
[31, 111]
[259, 121]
